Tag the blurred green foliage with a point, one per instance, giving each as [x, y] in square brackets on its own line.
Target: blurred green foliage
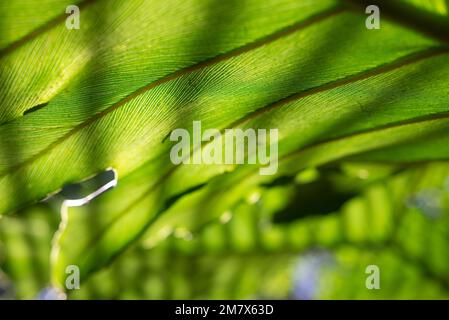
[398, 222]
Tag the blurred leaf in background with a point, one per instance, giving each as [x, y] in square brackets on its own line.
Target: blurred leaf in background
[244, 254]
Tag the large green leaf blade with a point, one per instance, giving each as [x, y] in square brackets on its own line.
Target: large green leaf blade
[401, 104]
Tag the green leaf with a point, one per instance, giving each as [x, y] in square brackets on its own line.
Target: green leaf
[336, 110]
[111, 71]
